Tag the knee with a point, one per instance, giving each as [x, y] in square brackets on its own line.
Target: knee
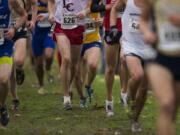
[137, 76]
[110, 70]
[66, 61]
[49, 55]
[4, 79]
[93, 67]
[167, 106]
[19, 61]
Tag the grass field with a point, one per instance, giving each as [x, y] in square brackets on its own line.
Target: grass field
[44, 115]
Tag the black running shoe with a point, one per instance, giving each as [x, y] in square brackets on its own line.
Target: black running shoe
[20, 76]
[4, 116]
[15, 107]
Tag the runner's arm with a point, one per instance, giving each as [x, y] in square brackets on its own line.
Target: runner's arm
[114, 11]
[51, 9]
[14, 5]
[34, 10]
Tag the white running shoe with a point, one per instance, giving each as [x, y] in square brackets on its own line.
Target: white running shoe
[135, 127]
[124, 99]
[109, 108]
[42, 91]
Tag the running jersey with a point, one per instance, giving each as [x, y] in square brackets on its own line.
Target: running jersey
[4, 19]
[91, 30]
[43, 9]
[66, 11]
[169, 34]
[130, 25]
[106, 22]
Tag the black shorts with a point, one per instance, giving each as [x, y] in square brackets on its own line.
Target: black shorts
[20, 33]
[171, 63]
[115, 41]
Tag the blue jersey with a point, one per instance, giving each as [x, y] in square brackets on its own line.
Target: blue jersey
[42, 26]
[4, 14]
[6, 46]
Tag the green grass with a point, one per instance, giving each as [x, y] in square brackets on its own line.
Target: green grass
[44, 115]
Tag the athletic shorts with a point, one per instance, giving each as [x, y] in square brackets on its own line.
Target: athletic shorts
[40, 41]
[90, 45]
[6, 60]
[6, 49]
[75, 35]
[115, 41]
[20, 33]
[171, 63]
[144, 54]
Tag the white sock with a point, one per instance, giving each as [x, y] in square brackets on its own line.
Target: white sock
[67, 99]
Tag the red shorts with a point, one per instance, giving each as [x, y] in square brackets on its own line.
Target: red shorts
[75, 35]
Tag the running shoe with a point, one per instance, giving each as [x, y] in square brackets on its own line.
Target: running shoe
[42, 91]
[67, 106]
[135, 127]
[50, 79]
[109, 108]
[89, 92]
[15, 107]
[4, 116]
[124, 99]
[83, 103]
[20, 76]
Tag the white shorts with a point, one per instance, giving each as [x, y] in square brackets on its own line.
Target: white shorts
[145, 53]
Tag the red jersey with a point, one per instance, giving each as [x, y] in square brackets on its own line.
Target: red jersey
[106, 22]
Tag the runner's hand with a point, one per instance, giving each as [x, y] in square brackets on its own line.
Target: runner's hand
[31, 25]
[150, 37]
[51, 18]
[174, 18]
[113, 32]
[81, 15]
[9, 34]
[40, 17]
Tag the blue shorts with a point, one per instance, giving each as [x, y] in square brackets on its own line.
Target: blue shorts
[40, 41]
[6, 49]
[90, 45]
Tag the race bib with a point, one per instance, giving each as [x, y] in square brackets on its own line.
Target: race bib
[69, 21]
[90, 26]
[169, 36]
[44, 24]
[134, 26]
[1, 37]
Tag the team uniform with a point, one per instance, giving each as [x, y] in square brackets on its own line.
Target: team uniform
[41, 36]
[132, 40]
[67, 22]
[92, 37]
[6, 46]
[169, 37]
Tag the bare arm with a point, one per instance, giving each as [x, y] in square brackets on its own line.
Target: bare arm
[20, 11]
[114, 11]
[51, 9]
[34, 10]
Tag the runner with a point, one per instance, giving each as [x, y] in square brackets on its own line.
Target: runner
[42, 44]
[68, 32]
[111, 50]
[20, 45]
[164, 72]
[6, 50]
[91, 50]
[136, 51]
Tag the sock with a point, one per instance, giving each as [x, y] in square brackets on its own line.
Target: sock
[66, 99]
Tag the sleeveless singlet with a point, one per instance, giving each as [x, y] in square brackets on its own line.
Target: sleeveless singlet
[66, 10]
[4, 19]
[169, 34]
[43, 9]
[130, 25]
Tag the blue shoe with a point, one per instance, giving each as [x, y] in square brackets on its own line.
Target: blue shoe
[4, 116]
[83, 103]
[89, 92]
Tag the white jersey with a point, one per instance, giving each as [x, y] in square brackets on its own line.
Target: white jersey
[132, 38]
[66, 10]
